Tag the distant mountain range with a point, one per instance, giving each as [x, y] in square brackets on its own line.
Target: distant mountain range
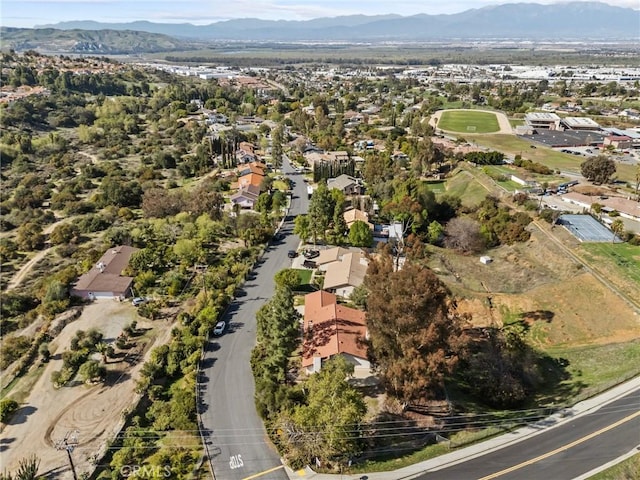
[563, 21]
[574, 21]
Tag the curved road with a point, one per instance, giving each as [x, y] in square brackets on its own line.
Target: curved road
[234, 433]
[564, 452]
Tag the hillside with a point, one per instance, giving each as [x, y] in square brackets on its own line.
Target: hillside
[87, 41]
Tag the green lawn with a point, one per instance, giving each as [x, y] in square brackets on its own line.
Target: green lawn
[304, 276]
[511, 144]
[593, 369]
[280, 185]
[436, 187]
[467, 188]
[468, 121]
[621, 257]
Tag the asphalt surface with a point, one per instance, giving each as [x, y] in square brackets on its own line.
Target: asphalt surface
[234, 434]
[555, 462]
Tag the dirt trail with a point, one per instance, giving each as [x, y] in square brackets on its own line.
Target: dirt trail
[48, 414]
[20, 275]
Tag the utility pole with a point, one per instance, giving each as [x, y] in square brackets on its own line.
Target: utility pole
[69, 443]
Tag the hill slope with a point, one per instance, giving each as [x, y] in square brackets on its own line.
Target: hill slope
[87, 41]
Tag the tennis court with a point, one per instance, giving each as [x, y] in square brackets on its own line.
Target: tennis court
[586, 228]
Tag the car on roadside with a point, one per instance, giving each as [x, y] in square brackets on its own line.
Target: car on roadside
[292, 254]
[219, 328]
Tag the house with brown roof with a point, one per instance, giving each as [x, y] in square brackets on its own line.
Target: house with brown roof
[330, 255]
[346, 184]
[254, 167]
[345, 274]
[105, 279]
[619, 142]
[352, 215]
[246, 197]
[331, 329]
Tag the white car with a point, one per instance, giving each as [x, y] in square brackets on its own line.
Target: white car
[138, 301]
[219, 328]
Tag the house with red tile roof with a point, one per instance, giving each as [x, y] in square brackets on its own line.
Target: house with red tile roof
[254, 179]
[332, 329]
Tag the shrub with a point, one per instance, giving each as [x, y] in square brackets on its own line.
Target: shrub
[12, 349]
[7, 407]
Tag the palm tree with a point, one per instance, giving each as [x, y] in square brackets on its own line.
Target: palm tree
[105, 350]
[27, 469]
[617, 227]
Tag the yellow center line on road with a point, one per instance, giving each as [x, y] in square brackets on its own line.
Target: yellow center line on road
[562, 449]
[263, 473]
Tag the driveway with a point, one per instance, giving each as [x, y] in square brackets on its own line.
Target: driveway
[234, 434]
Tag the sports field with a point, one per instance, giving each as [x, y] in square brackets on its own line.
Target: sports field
[468, 121]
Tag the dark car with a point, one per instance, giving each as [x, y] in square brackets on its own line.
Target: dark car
[309, 264]
[292, 254]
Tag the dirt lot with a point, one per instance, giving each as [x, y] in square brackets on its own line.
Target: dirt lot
[537, 282]
[95, 412]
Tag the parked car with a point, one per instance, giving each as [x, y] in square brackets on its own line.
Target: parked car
[308, 254]
[219, 328]
[309, 264]
[136, 302]
[292, 254]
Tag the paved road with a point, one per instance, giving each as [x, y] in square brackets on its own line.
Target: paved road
[564, 464]
[234, 433]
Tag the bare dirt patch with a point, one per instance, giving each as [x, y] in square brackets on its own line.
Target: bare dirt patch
[48, 414]
[538, 284]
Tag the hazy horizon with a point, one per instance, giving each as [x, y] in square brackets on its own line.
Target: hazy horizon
[30, 13]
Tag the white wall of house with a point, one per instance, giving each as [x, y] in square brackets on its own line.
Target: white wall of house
[345, 291]
[361, 366]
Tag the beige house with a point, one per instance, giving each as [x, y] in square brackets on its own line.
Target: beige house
[353, 215]
[345, 274]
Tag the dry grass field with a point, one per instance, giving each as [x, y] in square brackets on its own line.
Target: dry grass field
[568, 312]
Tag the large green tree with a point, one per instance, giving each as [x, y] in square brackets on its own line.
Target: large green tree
[413, 327]
[302, 227]
[598, 169]
[321, 208]
[360, 235]
[325, 424]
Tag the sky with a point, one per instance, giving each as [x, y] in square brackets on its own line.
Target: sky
[29, 13]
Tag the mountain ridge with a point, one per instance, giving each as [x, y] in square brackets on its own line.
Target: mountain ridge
[572, 20]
